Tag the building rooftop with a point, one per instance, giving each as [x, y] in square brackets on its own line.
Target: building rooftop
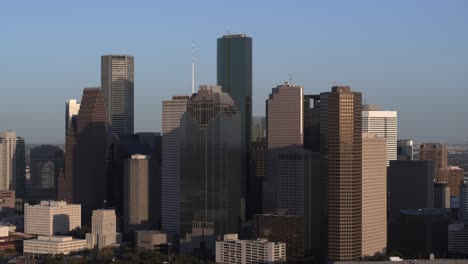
[425, 211]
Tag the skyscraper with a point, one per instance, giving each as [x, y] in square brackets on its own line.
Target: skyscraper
[374, 194]
[455, 179]
[45, 166]
[437, 152]
[172, 111]
[86, 156]
[405, 149]
[234, 75]
[12, 162]
[441, 195]
[341, 162]
[383, 124]
[117, 84]
[210, 162]
[72, 107]
[103, 229]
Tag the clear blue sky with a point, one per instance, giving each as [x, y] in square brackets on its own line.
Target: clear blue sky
[410, 56]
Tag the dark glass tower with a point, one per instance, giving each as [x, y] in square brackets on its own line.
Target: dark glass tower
[46, 166]
[234, 75]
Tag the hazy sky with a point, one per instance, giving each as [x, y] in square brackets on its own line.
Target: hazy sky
[410, 56]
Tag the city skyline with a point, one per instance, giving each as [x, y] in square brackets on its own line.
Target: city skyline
[396, 64]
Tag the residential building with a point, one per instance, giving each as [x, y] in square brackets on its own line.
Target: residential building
[51, 218]
[405, 149]
[103, 230]
[53, 245]
[374, 194]
[437, 152]
[234, 251]
[383, 124]
[117, 84]
[46, 164]
[72, 107]
[441, 195]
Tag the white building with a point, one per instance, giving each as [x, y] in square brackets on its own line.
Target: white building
[11, 156]
[72, 107]
[103, 229]
[53, 245]
[383, 124]
[4, 231]
[234, 251]
[51, 217]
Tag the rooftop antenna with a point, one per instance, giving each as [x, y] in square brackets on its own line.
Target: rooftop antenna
[193, 68]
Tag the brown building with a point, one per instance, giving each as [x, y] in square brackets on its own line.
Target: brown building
[7, 199]
[341, 162]
[439, 154]
[374, 194]
[280, 227]
[455, 178]
[86, 156]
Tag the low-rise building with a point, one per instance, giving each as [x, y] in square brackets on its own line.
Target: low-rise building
[103, 229]
[53, 245]
[151, 240]
[234, 251]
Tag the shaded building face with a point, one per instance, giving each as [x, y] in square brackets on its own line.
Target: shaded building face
[439, 154]
[341, 151]
[45, 166]
[210, 162]
[86, 156]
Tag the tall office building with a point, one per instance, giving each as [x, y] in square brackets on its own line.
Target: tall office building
[464, 201]
[103, 229]
[86, 156]
[234, 75]
[405, 149]
[437, 152]
[441, 195]
[210, 162]
[374, 194]
[258, 127]
[172, 111]
[20, 163]
[72, 107]
[12, 162]
[455, 179]
[341, 162]
[46, 164]
[383, 124]
[117, 84]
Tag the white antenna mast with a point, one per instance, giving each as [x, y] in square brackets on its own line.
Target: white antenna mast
[193, 68]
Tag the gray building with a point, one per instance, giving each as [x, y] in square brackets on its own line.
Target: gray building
[405, 149]
[410, 186]
[45, 167]
[117, 84]
[234, 75]
[441, 195]
[211, 162]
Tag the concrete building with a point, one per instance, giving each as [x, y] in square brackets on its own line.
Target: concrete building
[172, 111]
[455, 179]
[234, 251]
[437, 152]
[103, 230]
[12, 162]
[441, 195]
[151, 240]
[51, 217]
[46, 164]
[410, 185]
[137, 190]
[341, 176]
[72, 107]
[7, 199]
[86, 156]
[117, 84]
[405, 149]
[383, 124]
[53, 245]
[281, 227]
[374, 194]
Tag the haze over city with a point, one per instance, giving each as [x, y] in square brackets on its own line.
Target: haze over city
[409, 56]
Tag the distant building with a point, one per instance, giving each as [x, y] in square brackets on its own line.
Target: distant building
[172, 111]
[234, 251]
[103, 230]
[117, 84]
[374, 194]
[72, 107]
[437, 152]
[441, 195]
[464, 201]
[258, 127]
[53, 245]
[455, 179]
[7, 199]
[281, 227]
[259, 167]
[12, 162]
[383, 124]
[410, 186]
[51, 217]
[405, 149]
[46, 165]
[151, 240]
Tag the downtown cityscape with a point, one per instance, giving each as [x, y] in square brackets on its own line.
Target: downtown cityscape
[322, 175]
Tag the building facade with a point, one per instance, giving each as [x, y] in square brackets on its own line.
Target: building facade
[437, 152]
[12, 162]
[374, 194]
[341, 173]
[383, 124]
[117, 84]
[441, 195]
[455, 179]
[103, 230]
[234, 251]
[405, 149]
[53, 245]
[72, 107]
[46, 164]
[51, 217]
